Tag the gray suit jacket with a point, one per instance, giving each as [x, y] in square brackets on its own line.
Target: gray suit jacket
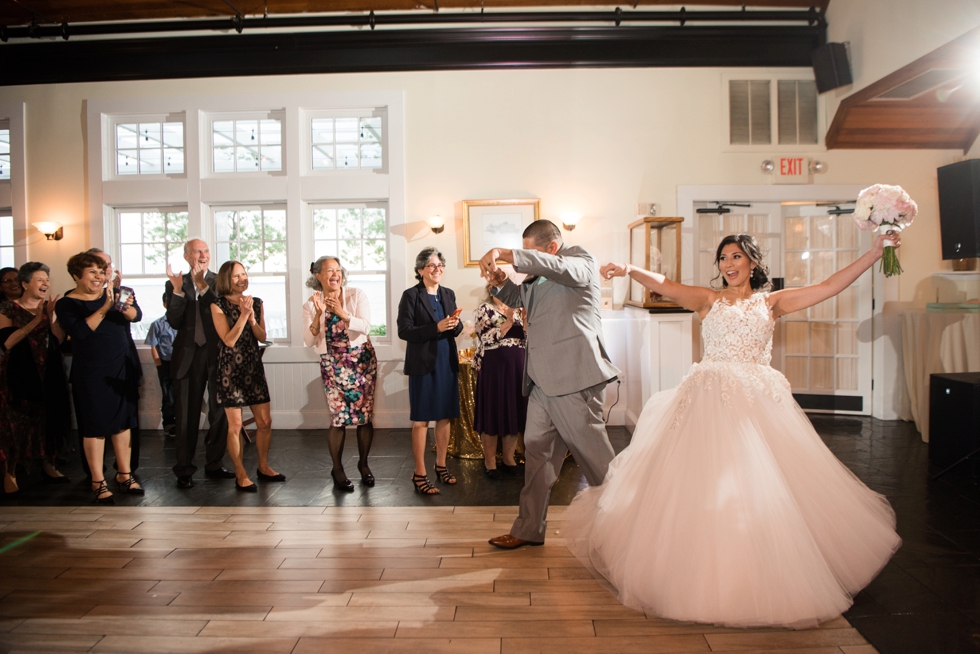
[565, 352]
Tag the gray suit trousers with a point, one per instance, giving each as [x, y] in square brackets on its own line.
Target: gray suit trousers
[554, 426]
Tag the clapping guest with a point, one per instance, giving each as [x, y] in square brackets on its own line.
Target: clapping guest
[240, 324]
[500, 410]
[194, 365]
[105, 372]
[337, 322]
[10, 287]
[429, 321]
[33, 390]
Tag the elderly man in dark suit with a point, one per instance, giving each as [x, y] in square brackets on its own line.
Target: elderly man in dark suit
[565, 371]
[194, 365]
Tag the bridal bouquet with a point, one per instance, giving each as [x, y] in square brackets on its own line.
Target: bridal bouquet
[884, 207]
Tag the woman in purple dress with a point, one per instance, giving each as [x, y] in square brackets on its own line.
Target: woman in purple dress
[501, 408]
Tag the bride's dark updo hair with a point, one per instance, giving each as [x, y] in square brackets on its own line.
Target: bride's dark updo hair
[759, 279]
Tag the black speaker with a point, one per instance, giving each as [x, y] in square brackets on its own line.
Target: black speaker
[954, 419]
[831, 67]
[959, 209]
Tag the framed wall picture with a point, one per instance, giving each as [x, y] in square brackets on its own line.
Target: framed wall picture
[491, 224]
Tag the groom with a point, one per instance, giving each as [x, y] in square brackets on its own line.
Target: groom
[565, 372]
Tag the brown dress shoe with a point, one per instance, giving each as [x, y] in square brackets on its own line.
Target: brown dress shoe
[508, 542]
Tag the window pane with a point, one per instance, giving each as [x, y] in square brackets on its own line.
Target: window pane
[173, 135]
[272, 158]
[324, 223]
[154, 226]
[822, 232]
[350, 254]
[130, 228]
[371, 130]
[822, 373]
[375, 287]
[149, 294]
[150, 136]
[150, 162]
[126, 163]
[322, 130]
[223, 133]
[370, 156]
[250, 224]
[796, 372]
[325, 249]
[347, 156]
[131, 260]
[374, 223]
[349, 223]
[821, 338]
[796, 233]
[346, 130]
[4, 166]
[275, 225]
[224, 160]
[126, 137]
[6, 230]
[374, 255]
[272, 291]
[247, 159]
[7, 258]
[275, 256]
[796, 268]
[249, 253]
[156, 258]
[224, 222]
[173, 161]
[246, 132]
[323, 157]
[271, 132]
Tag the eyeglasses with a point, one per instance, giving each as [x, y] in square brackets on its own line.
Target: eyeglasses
[435, 266]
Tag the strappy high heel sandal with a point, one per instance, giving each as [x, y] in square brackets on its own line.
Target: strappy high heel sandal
[445, 477]
[100, 493]
[128, 485]
[423, 486]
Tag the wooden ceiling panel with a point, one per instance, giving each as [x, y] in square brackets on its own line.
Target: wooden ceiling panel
[22, 12]
[943, 117]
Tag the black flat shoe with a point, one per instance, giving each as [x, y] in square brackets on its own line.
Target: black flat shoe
[48, 479]
[276, 477]
[345, 486]
[185, 482]
[251, 488]
[220, 473]
[12, 496]
[513, 470]
[494, 474]
[366, 477]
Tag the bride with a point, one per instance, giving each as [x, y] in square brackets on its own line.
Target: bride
[726, 507]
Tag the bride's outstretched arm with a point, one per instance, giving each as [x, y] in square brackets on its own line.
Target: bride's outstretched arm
[797, 299]
[693, 298]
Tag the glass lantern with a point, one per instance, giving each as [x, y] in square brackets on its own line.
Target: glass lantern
[655, 245]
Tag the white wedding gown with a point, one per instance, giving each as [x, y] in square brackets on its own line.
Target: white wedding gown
[726, 507]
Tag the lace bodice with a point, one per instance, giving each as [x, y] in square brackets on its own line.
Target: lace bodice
[740, 332]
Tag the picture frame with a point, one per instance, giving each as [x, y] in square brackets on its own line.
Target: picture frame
[489, 224]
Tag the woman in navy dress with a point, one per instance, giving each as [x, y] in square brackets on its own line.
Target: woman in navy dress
[429, 322]
[105, 373]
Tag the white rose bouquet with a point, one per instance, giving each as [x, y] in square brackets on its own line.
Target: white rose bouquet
[889, 208]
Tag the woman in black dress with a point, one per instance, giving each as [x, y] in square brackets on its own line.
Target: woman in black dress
[105, 373]
[240, 323]
[34, 408]
[429, 321]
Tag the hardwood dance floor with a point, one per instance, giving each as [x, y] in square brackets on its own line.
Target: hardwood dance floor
[325, 579]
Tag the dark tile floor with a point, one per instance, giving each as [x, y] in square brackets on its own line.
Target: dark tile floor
[927, 599]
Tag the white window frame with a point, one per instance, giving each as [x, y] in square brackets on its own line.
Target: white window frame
[109, 144]
[388, 322]
[13, 191]
[307, 117]
[200, 190]
[207, 165]
[5, 126]
[772, 76]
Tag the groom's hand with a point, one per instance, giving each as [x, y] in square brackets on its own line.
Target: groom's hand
[488, 264]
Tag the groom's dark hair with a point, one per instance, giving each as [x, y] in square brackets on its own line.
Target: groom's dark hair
[543, 232]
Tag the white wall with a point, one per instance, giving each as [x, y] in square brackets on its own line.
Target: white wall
[594, 142]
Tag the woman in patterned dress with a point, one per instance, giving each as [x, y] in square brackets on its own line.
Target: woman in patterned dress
[500, 409]
[337, 322]
[240, 323]
[33, 389]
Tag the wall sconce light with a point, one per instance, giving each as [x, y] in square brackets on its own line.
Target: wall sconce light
[51, 230]
[436, 224]
[817, 167]
[570, 220]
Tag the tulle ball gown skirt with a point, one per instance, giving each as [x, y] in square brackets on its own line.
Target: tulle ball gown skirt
[727, 508]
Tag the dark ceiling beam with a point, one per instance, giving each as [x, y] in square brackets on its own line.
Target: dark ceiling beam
[405, 50]
[616, 16]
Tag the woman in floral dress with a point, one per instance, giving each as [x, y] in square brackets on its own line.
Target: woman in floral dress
[501, 408]
[240, 323]
[337, 322]
[33, 389]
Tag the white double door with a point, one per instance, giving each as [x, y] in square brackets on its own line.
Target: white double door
[824, 351]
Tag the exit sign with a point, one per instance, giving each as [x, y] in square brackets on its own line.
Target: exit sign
[791, 170]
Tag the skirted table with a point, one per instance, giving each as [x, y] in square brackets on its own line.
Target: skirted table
[464, 442]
